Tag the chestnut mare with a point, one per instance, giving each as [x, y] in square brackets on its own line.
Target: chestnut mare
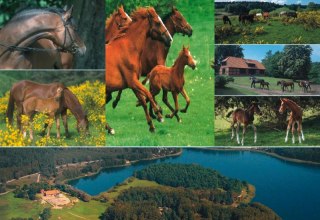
[118, 20]
[22, 90]
[285, 85]
[294, 117]
[171, 79]
[245, 117]
[155, 52]
[50, 106]
[123, 58]
[28, 27]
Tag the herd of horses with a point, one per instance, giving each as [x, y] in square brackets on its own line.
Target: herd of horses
[245, 117]
[138, 46]
[305, 85]
[250, 18]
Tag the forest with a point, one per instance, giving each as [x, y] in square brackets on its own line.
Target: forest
[307, 154]
[189, 176]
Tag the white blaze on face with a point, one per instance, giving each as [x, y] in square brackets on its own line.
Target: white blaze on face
[165, 28]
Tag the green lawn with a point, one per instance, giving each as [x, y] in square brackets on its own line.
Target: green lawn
[196, 128]
[275, 32]
[242, 86]
[267, 137]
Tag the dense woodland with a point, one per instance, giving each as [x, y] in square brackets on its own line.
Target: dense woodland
[189, 176]
[305, 154]
[15, 163]
[186, 196]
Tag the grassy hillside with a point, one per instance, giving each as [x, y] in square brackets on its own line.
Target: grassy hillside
[196, 128]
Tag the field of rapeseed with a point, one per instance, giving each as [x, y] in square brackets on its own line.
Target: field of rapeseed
[91, 96]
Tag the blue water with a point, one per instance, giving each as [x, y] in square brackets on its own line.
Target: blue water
[290, 189]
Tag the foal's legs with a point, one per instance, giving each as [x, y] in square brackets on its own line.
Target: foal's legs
[288, 129]
[292, 130]
[255, 133]
[237, 132]
[300, 132]
[57, 125]
[243, 133]
[232, 130]
[64, 117]
[186, 97]
[50, 125]
[176, 110]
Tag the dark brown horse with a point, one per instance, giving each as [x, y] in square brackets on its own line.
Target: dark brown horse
[295, 117]
[285, 85]
[27, 27]
[123, 58]
[49, 106]
[246, 19]
[171, 79]
[264, 84]
[305, 85]
[25, 89]
[226, 20]
[245, 117]
[118, 20]
[255, 81]
[155, 52]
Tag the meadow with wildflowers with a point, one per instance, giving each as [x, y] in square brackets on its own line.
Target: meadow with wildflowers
[91, 96]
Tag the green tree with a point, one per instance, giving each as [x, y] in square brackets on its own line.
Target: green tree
[314, 74]
[46, 214]
[271, 63]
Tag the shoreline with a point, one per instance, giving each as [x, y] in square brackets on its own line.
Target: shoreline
[262, 151]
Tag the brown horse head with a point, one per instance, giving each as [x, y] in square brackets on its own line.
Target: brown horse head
[83, 125]
[158, 30]
[279, 83]
[256, 108]
[71, 40]
[283, 106]
[179, 22]
[122, 18]
[185, 52]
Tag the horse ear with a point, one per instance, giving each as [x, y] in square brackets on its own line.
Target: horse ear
[65, 8]
[68, 13]
[173, 9]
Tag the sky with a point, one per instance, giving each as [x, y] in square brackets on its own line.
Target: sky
[258, 52]
[281, 2]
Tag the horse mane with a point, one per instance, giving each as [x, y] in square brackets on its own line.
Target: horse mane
[35, 11]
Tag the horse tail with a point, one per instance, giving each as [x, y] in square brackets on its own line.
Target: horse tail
[10, 108]
[146, 79]
[229, 113]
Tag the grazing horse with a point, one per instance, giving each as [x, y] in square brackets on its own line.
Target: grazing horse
[226, 19]
[264, 84]
[25, 89]
[117, 21]
[295, 117]
[170, 79]
[155, 52]
[50, 106]
[305, 85]
[266, 15]
[28, 27]
[285, 84]
[123, 58]
[255, 80]
[244, 18]
[245, 117]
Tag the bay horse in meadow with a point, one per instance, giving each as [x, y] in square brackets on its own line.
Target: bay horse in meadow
[123, 58]
[25, 89]
[155, 52]
[49, 106]
[295, 117]
[305, 85]
[255, 81]
[29, 26]
[118, 20]
[246, 19]
[170, 79]
[285, 85]
[226, 20]
[245, 117]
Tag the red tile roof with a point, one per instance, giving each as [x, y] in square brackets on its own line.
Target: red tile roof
[236, 62]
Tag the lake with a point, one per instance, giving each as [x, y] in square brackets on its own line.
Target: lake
[290, 189]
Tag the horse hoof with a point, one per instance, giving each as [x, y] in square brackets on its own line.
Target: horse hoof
[161, 120]
[152, 130]
[114, 105]
[168, 116]
[179, 120]
[112, 132]
[183, 111]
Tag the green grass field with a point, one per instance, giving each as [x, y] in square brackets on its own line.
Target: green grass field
[241, 86]
[275, 32]
[267, 136]
[196, 128]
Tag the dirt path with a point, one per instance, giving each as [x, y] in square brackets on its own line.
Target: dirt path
[297, 91]
[76, 215]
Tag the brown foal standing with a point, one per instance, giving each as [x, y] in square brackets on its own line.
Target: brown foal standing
[50, 106]
[171, 79]
[245, 117]
[294, 117]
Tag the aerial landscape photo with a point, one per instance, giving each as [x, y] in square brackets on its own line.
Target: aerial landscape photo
[159, 183]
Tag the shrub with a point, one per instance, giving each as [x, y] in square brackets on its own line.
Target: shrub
[222, 81]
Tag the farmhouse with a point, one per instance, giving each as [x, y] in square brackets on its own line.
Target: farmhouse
[241, 66]
[50, 192]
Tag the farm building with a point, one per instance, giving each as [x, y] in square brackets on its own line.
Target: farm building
[241, 66]
[50, 192]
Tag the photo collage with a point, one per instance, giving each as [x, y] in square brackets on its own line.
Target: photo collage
[202, 109]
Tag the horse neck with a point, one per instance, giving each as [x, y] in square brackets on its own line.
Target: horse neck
[23, 33]
[137, 34]
[170, 25]
[72, 103]
[178, 66]
[111, 27]
[295, 109]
